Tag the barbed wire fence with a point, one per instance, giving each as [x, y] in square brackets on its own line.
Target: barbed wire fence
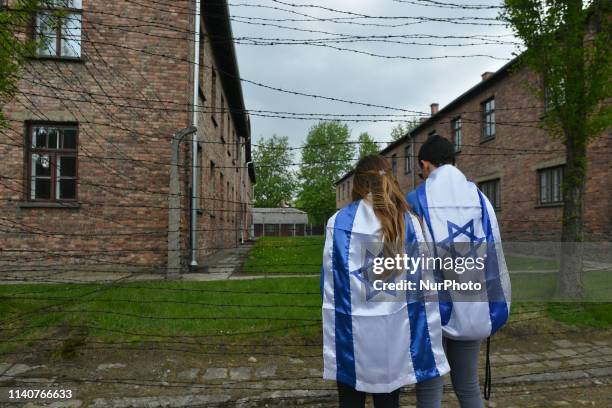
[33, 253]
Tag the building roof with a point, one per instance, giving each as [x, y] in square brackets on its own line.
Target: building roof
[484, 84]
[216, 17]
[347, 175]
[280, 215]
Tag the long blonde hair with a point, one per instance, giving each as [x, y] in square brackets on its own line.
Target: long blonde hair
[373, 175]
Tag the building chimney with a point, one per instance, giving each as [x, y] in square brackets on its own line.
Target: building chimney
[486, 75]
[434, 108]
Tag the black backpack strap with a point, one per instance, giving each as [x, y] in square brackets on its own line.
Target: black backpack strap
[487, 381]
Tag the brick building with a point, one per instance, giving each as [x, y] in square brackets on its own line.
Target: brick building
[85, 162]
[280, 222]
[495, 129]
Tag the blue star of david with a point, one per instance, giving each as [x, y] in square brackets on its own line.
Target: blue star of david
[455, 231]
[367, 276]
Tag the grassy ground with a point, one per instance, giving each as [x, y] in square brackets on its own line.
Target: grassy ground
[228, 310]
[302, 255]
[231, 311]
[285, 255]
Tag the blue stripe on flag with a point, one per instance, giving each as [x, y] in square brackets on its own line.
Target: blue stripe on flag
[446, 307]
[345, 352]
[498, 308]
[413, 202]
[321, 280]
[421, 350]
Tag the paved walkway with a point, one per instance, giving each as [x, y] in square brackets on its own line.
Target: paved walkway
[221, 265]
[563, 372]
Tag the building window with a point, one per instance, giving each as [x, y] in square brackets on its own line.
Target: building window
[394, 165]
[219, 199]
[237, 147]
[488, 119]
[492, 189]
[550, 180]
[199, 190]
[457, 134]
[52, 162]
[213, 94]
[548, 105]
[229, 126]
[548, 94]
[221, 110]
[59, 35]
[213, 187]
[408, 158]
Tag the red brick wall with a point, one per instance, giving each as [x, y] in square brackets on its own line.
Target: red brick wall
[129, 94]
[518, 150]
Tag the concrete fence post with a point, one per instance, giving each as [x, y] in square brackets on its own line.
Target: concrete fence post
[173, 270]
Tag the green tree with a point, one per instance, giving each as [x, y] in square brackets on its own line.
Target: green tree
[15, 46]
[367, 145]
[326, 156]
[401, 129]
[276, 181]
[568, 46]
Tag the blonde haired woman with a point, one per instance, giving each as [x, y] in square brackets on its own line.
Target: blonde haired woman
[375, 341]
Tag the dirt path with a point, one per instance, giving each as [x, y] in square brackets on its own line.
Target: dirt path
[532, 367]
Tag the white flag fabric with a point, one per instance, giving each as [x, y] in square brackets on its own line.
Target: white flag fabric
[455, 211]
[374, 340]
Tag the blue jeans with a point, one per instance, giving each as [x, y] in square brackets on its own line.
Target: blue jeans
[463, 358]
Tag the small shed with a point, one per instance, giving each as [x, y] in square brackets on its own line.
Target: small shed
[279, 222]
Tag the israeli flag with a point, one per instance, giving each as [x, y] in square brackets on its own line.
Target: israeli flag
[374, 340]
[455, 211]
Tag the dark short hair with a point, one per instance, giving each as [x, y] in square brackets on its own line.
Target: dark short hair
[437, 150]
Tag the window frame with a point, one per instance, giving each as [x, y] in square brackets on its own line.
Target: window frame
[213, 188]
[53, 155]
[394, 164]
[484, 187]
[213, 95]
[457, 133]
[488, 126]
[48, 11]
[551, 187]
[408, 158]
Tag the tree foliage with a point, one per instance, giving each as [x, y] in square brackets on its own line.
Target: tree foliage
[15, 46]
[401, 129]
[367, 145]
[568, 46]
[326, 156]
[276, 182]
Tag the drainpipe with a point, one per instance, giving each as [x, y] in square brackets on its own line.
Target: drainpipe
[242, 202]
[194, 138]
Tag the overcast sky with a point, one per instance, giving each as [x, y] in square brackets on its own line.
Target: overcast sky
[402, 83]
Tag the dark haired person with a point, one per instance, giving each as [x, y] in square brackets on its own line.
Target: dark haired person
[374, 340]
[455, 213]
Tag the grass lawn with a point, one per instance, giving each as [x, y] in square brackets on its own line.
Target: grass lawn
[286, 255]
[522, 263]
[279, 310]
[223, 311]
[302, 256]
